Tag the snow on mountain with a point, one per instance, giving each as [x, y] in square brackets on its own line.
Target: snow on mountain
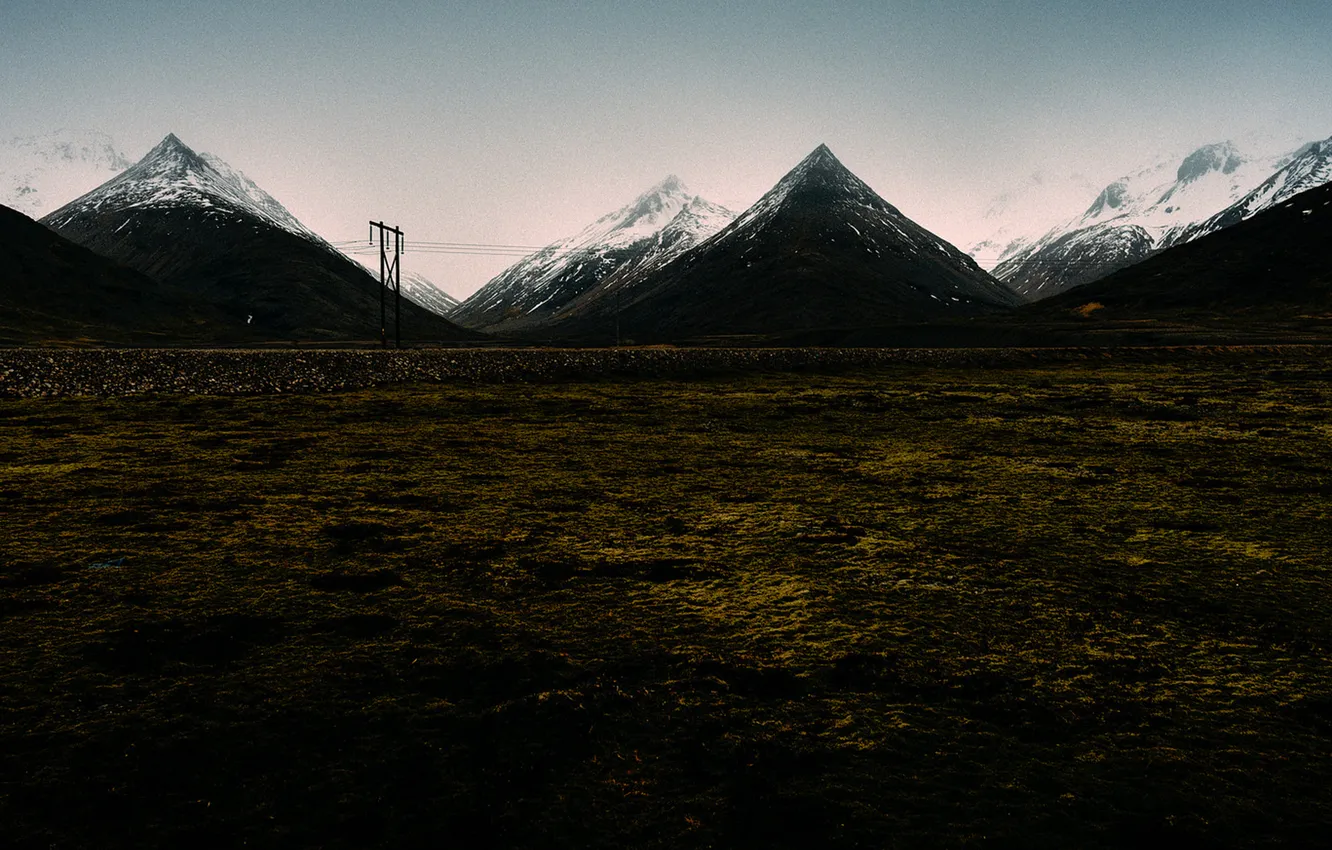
[427, 294]
[1309, 168]
[659, 224]
[244, 190]
[173, 175]
[696, 221]
[1135, 216]
[1274, 265]
[39, 173]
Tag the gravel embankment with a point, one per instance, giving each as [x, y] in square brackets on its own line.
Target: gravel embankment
[26, 373]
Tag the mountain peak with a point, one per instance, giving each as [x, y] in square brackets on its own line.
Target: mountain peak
[670, 186]
[1220, 156]
[820, 157]
[172, 175]
[169, 146]
[821, 165]
[170, 159]
[819, 180]
[658, 225]
[648, 213]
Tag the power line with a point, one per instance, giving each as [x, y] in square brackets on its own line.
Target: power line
[418, 245]
[369, 252]
[361, 247]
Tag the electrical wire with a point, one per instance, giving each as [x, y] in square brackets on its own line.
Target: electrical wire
[364, 247]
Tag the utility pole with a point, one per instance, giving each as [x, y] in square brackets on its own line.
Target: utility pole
[617, 318]
[390, 272]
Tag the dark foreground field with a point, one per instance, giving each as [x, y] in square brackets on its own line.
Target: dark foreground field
[1071, 605]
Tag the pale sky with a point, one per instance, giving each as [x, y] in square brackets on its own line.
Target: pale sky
[518, 123]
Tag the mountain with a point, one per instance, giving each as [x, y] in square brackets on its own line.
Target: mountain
[52, 289]
[39, 173]
[1277, 262]
[820, 249]
[422, 290]
[698, 220]
[658, 225]
[192, 222]
[1135, 217]
[172, 176]
[1309, 168]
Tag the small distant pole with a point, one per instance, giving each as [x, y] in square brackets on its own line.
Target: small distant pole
[617, 318]
[390, 271]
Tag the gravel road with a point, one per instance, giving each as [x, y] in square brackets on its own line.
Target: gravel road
[34, 372]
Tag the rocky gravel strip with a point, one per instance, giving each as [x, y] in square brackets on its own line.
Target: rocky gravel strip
[31, 372]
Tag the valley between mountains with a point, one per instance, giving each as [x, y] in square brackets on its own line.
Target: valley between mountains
[820, 256]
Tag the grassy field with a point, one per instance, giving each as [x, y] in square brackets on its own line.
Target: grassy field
[1060, 606]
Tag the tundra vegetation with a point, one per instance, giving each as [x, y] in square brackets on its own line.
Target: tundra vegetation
[1041, 605]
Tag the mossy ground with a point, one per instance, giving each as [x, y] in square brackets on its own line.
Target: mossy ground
[1074, 605]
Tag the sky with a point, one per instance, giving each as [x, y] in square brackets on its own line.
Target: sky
[519, 123]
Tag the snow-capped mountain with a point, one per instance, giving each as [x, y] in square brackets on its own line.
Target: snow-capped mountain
[423, 291]
[192, 222]
[698, 220]
[1310, 168]
[1135, 216]
[820, 249]
[172, 175]
[1274, 264]
[39, 173]
[658, 225]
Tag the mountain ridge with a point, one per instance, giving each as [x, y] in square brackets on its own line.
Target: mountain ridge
[1275, 263]
[658, 224]
[1135, 216]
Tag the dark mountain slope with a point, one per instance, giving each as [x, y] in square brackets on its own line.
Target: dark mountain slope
[52, 289]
